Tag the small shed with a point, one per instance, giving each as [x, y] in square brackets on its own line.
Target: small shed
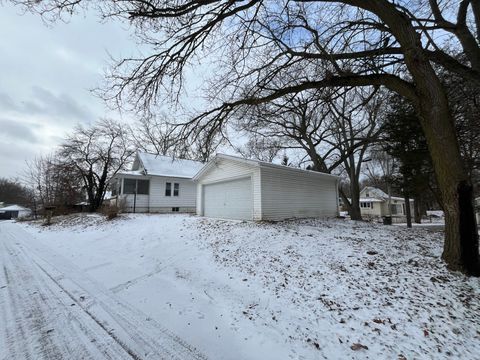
[231, 187]
[14, 212]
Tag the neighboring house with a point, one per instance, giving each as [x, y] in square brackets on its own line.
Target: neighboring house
[156, 183]
[374, 203]
[14, 212]
[235, 188]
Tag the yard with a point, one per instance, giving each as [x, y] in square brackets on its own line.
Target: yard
[305, 289]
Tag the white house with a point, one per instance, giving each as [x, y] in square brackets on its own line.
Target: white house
[235, 188]
[374, 203]
[14, 212]
[156, 184]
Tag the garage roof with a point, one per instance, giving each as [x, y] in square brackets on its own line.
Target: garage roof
[259, 163]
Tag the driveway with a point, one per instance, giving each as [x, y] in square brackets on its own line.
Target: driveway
[50, 309]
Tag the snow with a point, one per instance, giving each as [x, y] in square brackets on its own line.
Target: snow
[305, 289]
[370, 200]
[14, 208]
[52, 310]
[435, 213]
[167, 166]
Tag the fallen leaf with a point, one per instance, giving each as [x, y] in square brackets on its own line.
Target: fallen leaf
[358, 346]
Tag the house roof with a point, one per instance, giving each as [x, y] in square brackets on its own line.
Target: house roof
[371, 200]
[377, 194]
[259, 163]
[160, 165]
[14, 208]
[146, 164]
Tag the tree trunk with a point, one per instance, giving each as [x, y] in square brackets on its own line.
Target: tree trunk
[355, 213]
[461, 236]
[417, 212]
[407, 211]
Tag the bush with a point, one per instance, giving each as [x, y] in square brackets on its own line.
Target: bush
[110, 211]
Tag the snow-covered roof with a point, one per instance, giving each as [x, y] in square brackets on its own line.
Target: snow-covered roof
[375, 193]
[14, 208]
[160, 165]
[370, 200]
[259, 163]
[146, 164]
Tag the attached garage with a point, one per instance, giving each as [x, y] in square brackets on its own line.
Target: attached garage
[230, 187]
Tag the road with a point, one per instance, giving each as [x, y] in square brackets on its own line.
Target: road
[50, 309]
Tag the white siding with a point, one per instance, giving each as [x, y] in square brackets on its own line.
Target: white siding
[286, 194]
[140, 203]
[156, 201]
[225, 170]
[377, 210]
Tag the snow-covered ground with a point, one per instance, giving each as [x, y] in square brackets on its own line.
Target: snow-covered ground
[308, 289]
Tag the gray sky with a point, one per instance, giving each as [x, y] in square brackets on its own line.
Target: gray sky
[47, 72]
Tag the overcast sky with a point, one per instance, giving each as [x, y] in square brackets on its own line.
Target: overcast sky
[46, 77]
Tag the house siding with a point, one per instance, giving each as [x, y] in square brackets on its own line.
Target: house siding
[286, 194]
[156, 201]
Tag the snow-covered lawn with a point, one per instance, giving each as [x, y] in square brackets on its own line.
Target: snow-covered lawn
[307, 289]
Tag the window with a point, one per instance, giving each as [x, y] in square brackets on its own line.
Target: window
[168, 189]
[394, 209]
[366, 205]
[114, 187]
[176, 189]
[175, 209]
[142, 187]
[129, 186]
[132, 186]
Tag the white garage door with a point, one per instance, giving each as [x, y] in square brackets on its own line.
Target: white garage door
[229, 199]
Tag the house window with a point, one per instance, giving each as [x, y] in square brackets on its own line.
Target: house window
[129, 186]
[168, 189]
[365, 204]
[142, 187]
[114, 187]
[175, 209]
[394, 209]
[132, 186]
[176, 189]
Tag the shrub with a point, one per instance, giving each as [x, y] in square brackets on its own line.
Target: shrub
[110, 211]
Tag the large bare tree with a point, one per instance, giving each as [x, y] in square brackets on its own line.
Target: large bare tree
[395, 44]
[96, 153]
[332, 129]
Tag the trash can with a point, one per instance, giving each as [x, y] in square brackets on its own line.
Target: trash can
[387, 220]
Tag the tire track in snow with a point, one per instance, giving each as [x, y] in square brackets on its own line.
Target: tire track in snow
[127, 326]
[37, 323]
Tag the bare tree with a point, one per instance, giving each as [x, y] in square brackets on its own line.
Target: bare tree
[155, 134]
[96, 153]
[260, 148]
[13, 191]
[53, 183]
[356, 123]
[333, 130]
[336, 43]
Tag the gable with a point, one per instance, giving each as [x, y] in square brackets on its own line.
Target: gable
[220, 169]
